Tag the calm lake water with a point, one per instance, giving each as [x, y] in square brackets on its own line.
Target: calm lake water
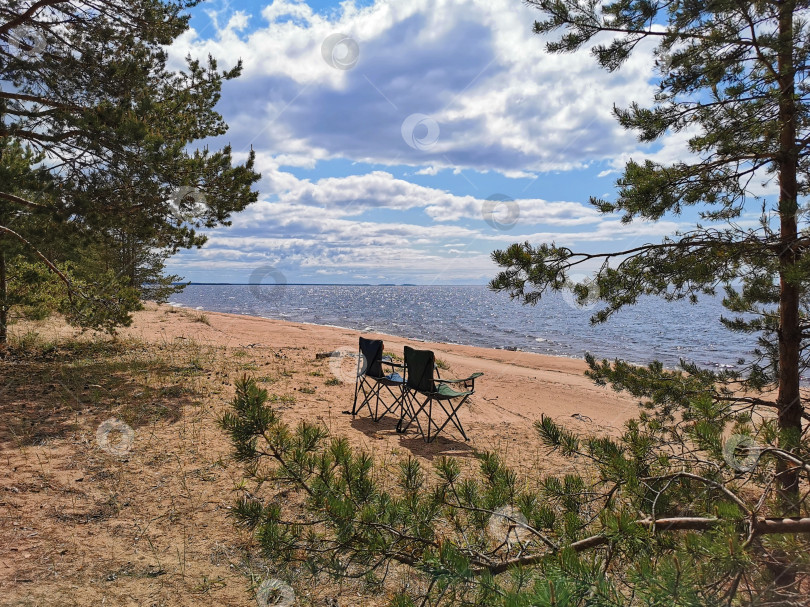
[474, 315]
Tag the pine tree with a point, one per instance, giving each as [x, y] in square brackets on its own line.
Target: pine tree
[665, 514]
[21, 284]
[732, 76]
[87, 89]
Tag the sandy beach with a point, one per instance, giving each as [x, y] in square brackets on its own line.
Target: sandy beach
[82, 526]
[516, 389]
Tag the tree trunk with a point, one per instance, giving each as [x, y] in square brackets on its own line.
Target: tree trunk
[789, 398]
[790, 406]
[3, 283]
[3, 296]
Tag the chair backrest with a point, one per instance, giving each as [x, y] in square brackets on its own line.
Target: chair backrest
[419, 365]
[371, 363]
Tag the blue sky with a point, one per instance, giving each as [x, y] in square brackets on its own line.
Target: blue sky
[402, 142]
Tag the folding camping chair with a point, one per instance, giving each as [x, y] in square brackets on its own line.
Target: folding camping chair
[371, 379]
[424, 387]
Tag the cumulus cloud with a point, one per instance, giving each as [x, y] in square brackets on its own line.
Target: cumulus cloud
[303, 240]
[473, 66]
[425, 90]
[355, 194]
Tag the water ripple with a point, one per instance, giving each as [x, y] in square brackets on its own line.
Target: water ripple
[474, 315]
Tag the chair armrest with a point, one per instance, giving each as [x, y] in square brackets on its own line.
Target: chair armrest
[456, 381]
[467, 380]
[392, 363]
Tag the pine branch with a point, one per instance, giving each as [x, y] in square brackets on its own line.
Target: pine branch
[51, 266]
[22, 201]
[761, 526]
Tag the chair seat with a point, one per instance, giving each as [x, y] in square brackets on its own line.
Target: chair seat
[445, 391]
[392, 379]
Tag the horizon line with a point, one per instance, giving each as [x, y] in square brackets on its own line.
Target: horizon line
[325, 284]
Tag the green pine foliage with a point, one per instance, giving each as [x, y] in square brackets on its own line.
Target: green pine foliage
[731, 75]
[661, 515]
[111, 184]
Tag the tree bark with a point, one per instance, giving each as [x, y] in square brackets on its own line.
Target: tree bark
[790, 408]
[789, 398]
[3, 296]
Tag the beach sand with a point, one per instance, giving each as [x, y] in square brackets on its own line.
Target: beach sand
[79, 526]
[517, 388]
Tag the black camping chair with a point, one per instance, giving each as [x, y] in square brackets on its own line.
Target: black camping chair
[424, 387]
[372, 378]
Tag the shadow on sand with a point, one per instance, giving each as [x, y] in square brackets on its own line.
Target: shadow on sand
[43, 398]
[446, 444]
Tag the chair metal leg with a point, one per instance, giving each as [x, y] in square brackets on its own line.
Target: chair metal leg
[382, 408]
[410, 411]
[407, 409]
[431, 425]
[413, 413]
[430, 419]
[368, 391]
[431, 428]
[452, 416]
[416, 416]
[356, 390]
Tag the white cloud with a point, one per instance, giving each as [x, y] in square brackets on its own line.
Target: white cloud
[474, 66]
[355, 194]
[501, 104]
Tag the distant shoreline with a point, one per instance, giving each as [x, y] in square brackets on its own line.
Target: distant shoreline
[315, 284]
